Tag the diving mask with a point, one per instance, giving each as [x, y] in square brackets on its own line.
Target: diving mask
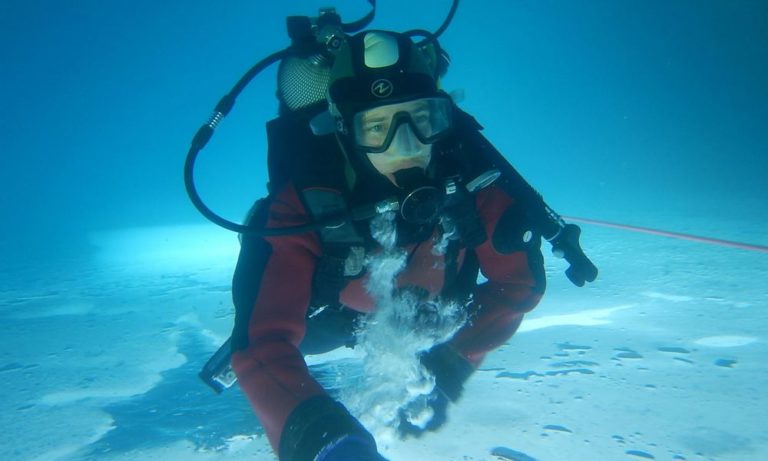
[374, 129]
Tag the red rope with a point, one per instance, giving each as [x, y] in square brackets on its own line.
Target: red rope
[677, 235]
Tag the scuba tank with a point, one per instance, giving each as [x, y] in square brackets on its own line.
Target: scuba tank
[301, 131]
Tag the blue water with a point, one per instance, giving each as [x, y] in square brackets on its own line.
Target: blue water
[603, 105]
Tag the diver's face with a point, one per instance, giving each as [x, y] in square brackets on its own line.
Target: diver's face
[405, 151]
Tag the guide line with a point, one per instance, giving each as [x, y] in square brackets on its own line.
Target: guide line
[677, 235]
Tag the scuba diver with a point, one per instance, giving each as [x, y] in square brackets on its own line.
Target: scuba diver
[364, 132]
[391, 119]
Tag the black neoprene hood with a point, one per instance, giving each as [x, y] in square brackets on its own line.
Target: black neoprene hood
[355, 86]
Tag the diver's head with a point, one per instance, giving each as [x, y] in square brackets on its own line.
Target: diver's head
[383, 94]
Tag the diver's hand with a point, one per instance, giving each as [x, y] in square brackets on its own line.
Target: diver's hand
[451, 371]
[321, 429]
[437, 406]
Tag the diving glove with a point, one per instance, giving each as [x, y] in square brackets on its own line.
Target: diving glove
[451, 371]
[350, 448]
[321, 429]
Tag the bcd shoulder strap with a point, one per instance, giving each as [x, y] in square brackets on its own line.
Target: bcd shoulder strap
[316, 166]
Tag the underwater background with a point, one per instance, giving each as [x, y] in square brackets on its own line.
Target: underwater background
[113, 289]
[609, 108]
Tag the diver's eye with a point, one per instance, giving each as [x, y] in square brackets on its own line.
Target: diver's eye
[375, 128]
[423, 122]
[375, 131]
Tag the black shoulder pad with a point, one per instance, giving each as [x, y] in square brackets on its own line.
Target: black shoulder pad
[515, 232]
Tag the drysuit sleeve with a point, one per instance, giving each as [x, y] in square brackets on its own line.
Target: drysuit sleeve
[270, 369]
[272, 290]
[514, 270]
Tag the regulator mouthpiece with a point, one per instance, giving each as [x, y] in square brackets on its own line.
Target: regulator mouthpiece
[422, 201]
